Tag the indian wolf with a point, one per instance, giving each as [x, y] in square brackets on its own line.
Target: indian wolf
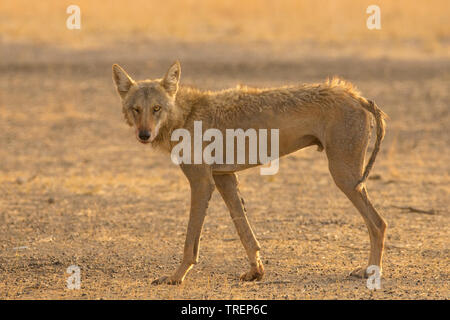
[332, 116]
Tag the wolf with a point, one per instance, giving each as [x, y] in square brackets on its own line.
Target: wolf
[331, 115]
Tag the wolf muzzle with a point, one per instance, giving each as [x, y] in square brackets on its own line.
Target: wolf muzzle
[144, 135]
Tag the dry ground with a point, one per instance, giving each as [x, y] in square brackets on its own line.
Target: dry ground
[76, 188]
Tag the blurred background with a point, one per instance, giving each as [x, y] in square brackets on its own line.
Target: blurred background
[77, 188]
[408, 27]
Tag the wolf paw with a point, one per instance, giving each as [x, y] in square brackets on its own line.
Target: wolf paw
[359, 272]
[256, 273]
[167, 280]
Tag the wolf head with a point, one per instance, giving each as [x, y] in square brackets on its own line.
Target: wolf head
[147, 104]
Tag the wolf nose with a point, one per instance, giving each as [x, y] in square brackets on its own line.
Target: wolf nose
[144, 135]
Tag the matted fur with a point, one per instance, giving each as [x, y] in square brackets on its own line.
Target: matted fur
[332, 115]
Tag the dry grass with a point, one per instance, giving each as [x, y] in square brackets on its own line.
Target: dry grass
[404, 22]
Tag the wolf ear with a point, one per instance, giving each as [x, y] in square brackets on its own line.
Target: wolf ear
[171, 79]
[122, 80]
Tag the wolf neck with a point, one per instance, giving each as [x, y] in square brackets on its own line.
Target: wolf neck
[187, 98]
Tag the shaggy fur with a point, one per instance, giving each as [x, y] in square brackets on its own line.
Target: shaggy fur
[331, 115]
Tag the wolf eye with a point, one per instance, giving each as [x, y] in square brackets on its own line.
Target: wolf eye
[156, 108]
[136, 110]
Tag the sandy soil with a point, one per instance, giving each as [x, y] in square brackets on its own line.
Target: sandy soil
[76, 188]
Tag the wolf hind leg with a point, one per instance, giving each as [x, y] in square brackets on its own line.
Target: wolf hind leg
[346, 168]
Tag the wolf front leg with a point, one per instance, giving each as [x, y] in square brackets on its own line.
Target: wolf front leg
[227, 184]
[202, 187]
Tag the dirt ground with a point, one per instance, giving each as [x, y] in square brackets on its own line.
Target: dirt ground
[76, 188]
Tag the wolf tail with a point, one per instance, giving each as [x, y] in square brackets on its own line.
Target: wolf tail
[379, 115]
